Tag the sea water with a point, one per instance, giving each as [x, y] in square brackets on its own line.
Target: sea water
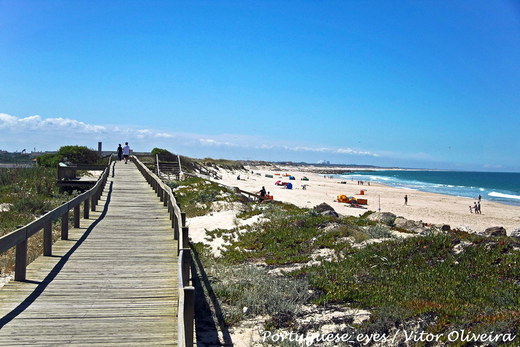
[503, 187]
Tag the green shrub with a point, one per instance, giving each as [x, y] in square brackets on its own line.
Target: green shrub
[71, 154]
[78, 155]
[378, 231]
[48, 160]
[159, 151]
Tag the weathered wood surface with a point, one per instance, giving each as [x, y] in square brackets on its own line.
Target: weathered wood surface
[114, 282]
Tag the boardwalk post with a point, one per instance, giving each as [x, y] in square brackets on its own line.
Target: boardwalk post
[47, 238]
[175, 224]
[86, 208]
[93, 202]
[76, 216]
[65, 226]
[189, 314]
[21, 261]
[186, 266]
[183, 219]
[185, 237]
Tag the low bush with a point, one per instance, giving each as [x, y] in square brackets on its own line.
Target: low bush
[69, 154]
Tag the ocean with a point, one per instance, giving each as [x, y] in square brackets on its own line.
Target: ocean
[503, 187]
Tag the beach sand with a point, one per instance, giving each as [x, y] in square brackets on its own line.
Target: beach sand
[427, 207]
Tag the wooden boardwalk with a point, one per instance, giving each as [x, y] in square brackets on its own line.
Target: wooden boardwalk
[114, 282]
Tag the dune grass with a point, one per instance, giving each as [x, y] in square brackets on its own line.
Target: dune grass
[29, 193]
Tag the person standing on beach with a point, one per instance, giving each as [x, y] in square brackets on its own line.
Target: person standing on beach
[478, 206]
[470, 209]
[406, 199]
[262, 194]
[120, 152]
[479, 197]
[126, 152]
[475, 207]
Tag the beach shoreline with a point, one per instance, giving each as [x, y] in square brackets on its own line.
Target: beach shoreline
[431, 208]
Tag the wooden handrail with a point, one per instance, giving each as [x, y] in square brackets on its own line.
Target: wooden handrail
[186, 303]
[19, 237]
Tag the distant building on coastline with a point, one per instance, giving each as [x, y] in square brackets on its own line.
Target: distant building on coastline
[324, 162]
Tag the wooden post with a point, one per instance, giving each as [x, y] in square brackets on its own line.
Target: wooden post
[76, 216]
[186, 266]
[86, 208]
[65, 226]
[183, 219]
[185, 237]
[175, 226]
[166, 198]
[93, 203]
[21, 261]
[189, 314]
[47, 238]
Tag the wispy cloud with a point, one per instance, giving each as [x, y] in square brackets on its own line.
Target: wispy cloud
[146, 133]
[331, 150]
[72, 127]
[54, 132]
[37, 122]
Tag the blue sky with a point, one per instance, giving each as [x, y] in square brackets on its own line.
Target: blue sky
[431, 84]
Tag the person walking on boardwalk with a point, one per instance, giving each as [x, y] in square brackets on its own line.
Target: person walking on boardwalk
[126, 152]
[120, 152]
[406, 199]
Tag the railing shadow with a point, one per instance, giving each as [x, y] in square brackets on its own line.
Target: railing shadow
[55, 270]
[205, 327]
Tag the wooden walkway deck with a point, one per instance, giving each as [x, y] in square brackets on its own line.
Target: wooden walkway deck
[114, 282]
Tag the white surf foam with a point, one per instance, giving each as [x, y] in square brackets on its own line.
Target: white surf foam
[507, 196]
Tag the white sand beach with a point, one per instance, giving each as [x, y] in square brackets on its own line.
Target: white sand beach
[428, 207]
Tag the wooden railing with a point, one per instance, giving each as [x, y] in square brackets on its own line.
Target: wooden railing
[20, 237]
[186, 303]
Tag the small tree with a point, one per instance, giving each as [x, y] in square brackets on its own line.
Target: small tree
[70, 154]
[78, 155]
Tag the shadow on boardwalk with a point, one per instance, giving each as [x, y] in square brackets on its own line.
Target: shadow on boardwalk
[206, 328]
[55, 270]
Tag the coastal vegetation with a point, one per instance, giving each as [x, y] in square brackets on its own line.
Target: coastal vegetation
[294, 258]
[206, 166]
[25, 194]
[71, 155]
[29, 192]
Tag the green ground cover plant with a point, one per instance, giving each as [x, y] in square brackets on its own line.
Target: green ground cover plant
[197, 195]
[290, 235]
[474, 289]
